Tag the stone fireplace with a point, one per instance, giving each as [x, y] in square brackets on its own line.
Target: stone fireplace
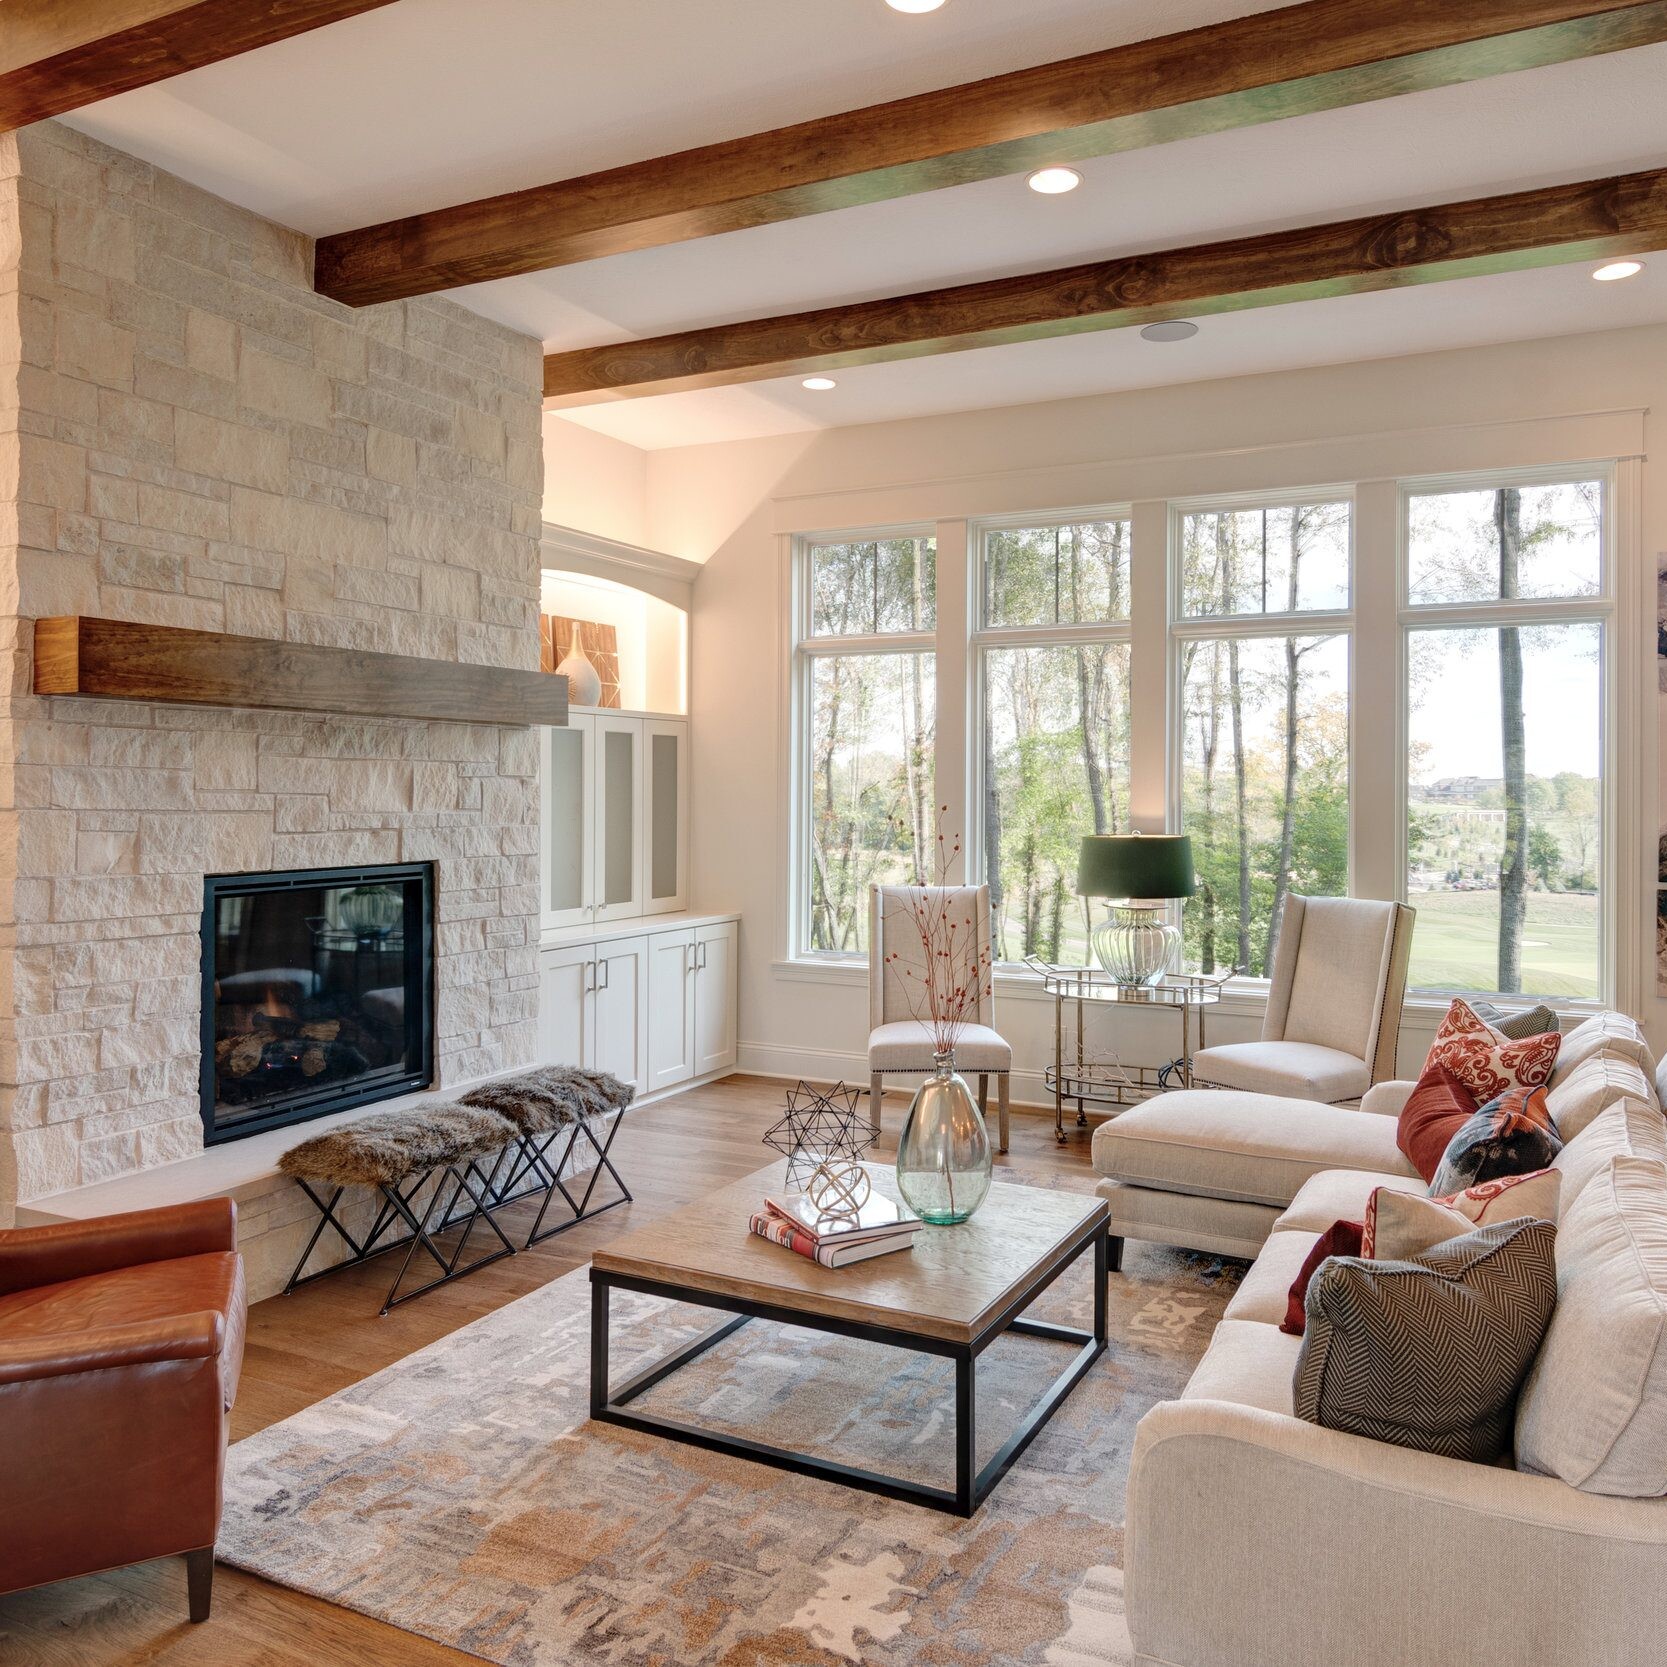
[190, 436]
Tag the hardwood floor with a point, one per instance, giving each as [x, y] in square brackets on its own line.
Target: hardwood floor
[306, 1346]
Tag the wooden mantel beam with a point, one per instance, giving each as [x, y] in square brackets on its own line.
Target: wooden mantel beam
[114, 659]
[1319, 55]
[56, 55]
[1555, 225]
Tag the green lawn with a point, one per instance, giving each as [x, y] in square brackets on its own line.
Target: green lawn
[1455, 945]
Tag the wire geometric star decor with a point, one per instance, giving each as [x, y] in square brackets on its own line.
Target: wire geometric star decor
[818, 1126]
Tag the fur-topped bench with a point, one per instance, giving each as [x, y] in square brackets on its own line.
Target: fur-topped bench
[454, 1165]
[542, 1105]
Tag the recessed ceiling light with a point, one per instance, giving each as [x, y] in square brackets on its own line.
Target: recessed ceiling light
[1618, 269]
[1170, 330]
[819, 384]
[914, 5]
[1054, 182]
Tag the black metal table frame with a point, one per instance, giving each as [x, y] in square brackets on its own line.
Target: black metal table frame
[972, 1485]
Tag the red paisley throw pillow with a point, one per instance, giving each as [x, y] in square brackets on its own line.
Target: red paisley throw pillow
[1487, 1062]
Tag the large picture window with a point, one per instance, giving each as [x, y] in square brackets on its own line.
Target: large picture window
[1505, 736]
[1430, 719]
[868, 696]
[1263, 649]
[1053, 647]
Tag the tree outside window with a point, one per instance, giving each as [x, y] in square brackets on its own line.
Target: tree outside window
[1264, 723]
[1055, 732]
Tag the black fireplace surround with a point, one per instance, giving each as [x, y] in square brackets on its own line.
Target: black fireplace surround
[318, 993]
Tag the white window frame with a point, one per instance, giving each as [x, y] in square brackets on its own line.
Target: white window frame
[981, 637]
[1376, 623]
[1603, 610]
[806, 650]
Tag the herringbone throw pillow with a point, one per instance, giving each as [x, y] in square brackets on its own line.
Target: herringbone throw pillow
[1430, 1352]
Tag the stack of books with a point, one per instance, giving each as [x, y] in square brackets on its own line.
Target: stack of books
[794, 1222]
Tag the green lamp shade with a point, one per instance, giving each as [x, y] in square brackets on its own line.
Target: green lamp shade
[1136, 865]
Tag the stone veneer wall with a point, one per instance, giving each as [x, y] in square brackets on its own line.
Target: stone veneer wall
[190, 436]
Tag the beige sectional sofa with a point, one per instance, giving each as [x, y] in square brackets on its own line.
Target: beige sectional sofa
[1258, 1540]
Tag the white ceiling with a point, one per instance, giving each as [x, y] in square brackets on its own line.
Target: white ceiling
[427, 102]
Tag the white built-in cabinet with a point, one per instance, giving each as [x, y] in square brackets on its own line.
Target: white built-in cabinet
[614, 819]
[656, 1008]
[691, 1003]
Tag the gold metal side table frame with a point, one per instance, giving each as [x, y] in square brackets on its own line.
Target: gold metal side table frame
[1085, 1083]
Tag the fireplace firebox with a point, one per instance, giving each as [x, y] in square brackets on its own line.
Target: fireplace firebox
[317, 993]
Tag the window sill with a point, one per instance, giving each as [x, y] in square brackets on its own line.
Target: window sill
[1245, 998]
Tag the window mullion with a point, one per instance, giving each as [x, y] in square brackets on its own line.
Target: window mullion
[1149, 667]
[1377, 791]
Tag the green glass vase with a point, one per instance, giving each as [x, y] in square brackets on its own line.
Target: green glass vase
[943, 1153]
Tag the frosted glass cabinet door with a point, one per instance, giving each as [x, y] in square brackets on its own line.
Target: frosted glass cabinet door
[618, 777]
[665, 816]
[567, 824]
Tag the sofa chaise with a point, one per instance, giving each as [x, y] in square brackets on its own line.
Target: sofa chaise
[1256, 1539]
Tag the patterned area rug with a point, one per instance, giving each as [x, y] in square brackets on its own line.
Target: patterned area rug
[463, 1494]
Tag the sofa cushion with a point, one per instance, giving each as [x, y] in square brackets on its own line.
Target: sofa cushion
[1627, 1129]
[1304, 1070]
[1612, 1033]
[1487, 1063]
[1526, 1021]
[1576, 1097]
[1262, 1294]
[1400, 1224]
[1251, 1147]
[1249, 1364]
[1511, 1135]
[1429, 1353]
[1594, 1408]
[1341, 1238]
[1339, 1195]
[1436, 1109]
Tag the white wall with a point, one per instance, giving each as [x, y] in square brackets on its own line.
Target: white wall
[594, 483]
[730, 506]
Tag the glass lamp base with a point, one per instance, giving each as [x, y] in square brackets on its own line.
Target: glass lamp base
[1135, 945]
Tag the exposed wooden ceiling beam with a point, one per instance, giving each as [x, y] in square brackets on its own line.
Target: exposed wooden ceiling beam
[1590, 219]
[1302, 58]
[56, 55]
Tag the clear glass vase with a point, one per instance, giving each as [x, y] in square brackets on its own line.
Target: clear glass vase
[943, 1153]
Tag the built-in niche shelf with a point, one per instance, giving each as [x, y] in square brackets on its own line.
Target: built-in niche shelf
[112, 659]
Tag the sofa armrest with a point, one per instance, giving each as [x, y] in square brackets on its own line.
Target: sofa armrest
[1387, 1098]
[31, 1256]
[1322, 1547]
[103, 1348]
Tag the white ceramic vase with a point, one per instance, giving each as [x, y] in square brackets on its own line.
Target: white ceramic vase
[584, 681]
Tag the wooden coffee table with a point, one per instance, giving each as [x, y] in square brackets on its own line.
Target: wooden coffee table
[953, 1294]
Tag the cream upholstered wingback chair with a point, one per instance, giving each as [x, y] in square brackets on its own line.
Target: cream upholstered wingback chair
[899, 1043]
[1334, 1004]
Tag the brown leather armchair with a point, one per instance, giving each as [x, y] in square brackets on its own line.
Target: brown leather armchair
[120, 1344]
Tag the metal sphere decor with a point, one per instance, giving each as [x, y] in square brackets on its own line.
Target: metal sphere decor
[839, 1187]
[817, 1127]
